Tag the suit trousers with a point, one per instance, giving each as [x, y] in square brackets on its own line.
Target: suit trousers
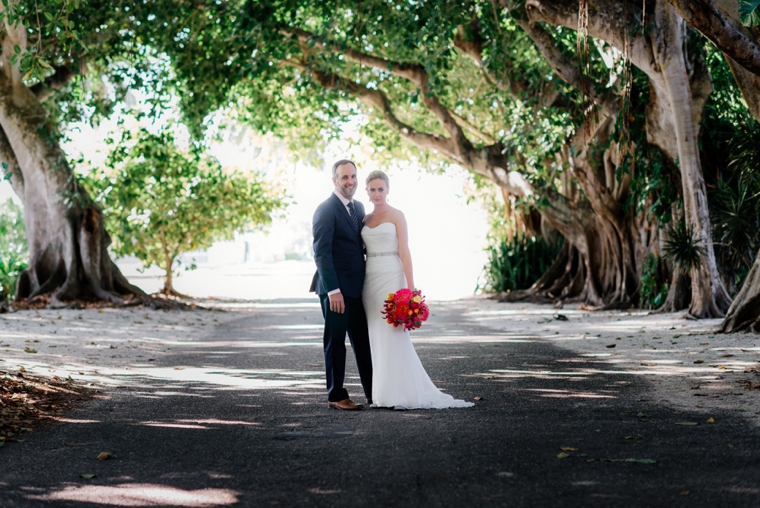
[354, 322]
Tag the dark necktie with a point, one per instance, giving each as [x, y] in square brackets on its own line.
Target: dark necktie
[354, 217]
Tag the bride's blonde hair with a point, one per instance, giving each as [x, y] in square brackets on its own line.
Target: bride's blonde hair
[374, 175]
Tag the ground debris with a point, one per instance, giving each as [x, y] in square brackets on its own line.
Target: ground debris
[155, 301]
[29, 402]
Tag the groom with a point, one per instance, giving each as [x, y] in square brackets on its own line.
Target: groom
[339, 254]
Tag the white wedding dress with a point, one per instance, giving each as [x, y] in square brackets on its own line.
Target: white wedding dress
[398, 378]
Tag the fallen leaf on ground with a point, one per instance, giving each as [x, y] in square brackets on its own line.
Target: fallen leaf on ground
[29, 350]
[563, 455]
[104, 455]
[88, 476]
[478, 398]
[610, 345]
[21, 369]
[687, 423]
[711, 420]
[568, 449]
[699, 361]
[685, 493]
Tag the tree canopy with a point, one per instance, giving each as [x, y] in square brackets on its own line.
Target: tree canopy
[590, 118]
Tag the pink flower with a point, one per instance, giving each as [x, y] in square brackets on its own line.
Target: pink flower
[403, 295]
[406, 308]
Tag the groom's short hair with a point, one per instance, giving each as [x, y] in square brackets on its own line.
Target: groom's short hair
[340, 163]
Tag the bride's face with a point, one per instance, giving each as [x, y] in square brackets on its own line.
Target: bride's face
[377, 190]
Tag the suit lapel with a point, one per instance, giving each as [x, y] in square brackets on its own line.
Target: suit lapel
[344, 212]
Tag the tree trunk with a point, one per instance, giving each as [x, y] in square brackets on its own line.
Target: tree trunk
[709, 297]
[168, 283]
[65, 235]
[661, 53]
[744, 313]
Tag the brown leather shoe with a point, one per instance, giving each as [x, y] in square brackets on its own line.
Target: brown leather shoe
[345, 404]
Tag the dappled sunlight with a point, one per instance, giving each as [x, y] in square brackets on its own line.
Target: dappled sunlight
[173, 425]
[142, 494]
[464, 339]
[73, 420]
[319, 327]
[201, 424]
[562, 394]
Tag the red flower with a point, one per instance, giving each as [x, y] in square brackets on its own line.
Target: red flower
[407, 308]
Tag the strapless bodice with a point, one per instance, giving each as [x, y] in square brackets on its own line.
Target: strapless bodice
[381, 239]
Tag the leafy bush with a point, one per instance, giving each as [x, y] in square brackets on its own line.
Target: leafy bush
[14, 257]
[682, 246]
[735, 209]
[517, 264]
[653, 290]
[731, 155]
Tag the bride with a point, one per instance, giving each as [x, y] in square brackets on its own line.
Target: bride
[399, 380]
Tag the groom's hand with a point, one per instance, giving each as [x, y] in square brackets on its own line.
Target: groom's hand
[336, 303]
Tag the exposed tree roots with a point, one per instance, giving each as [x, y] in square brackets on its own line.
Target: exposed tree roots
[156, 302]
[173, 293]
[744, 313]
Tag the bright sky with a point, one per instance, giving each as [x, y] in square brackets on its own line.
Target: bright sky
[447, 236]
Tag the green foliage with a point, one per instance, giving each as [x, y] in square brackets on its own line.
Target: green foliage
[654, 187]
[160, 201]
[14, 257]
[682, 246]
[518, 263]
[731, 156]
[735, 221]
[653, 290]
[749, 12]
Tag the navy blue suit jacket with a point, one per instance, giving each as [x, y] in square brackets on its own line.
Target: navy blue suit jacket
[338, 249]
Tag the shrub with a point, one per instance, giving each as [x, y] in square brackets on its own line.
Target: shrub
[518, 263]
[653, 290]
[14, 257]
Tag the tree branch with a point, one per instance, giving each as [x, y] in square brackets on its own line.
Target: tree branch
[565, 68]
[473, 47]
[62, 76]
[8, 156]
[474, 129]
[705, 17]
[414, 73]
[379, 100]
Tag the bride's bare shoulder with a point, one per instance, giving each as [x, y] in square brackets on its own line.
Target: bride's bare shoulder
[398, 215]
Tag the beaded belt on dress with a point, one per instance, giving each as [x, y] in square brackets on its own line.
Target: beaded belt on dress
[373, 254]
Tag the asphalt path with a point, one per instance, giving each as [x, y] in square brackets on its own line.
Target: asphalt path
[243, 421]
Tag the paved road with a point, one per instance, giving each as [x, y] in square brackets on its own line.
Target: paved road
[240, 417]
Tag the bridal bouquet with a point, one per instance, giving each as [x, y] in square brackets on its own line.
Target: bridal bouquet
[406, 308]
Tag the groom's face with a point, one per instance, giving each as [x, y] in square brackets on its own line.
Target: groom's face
[345, 180]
